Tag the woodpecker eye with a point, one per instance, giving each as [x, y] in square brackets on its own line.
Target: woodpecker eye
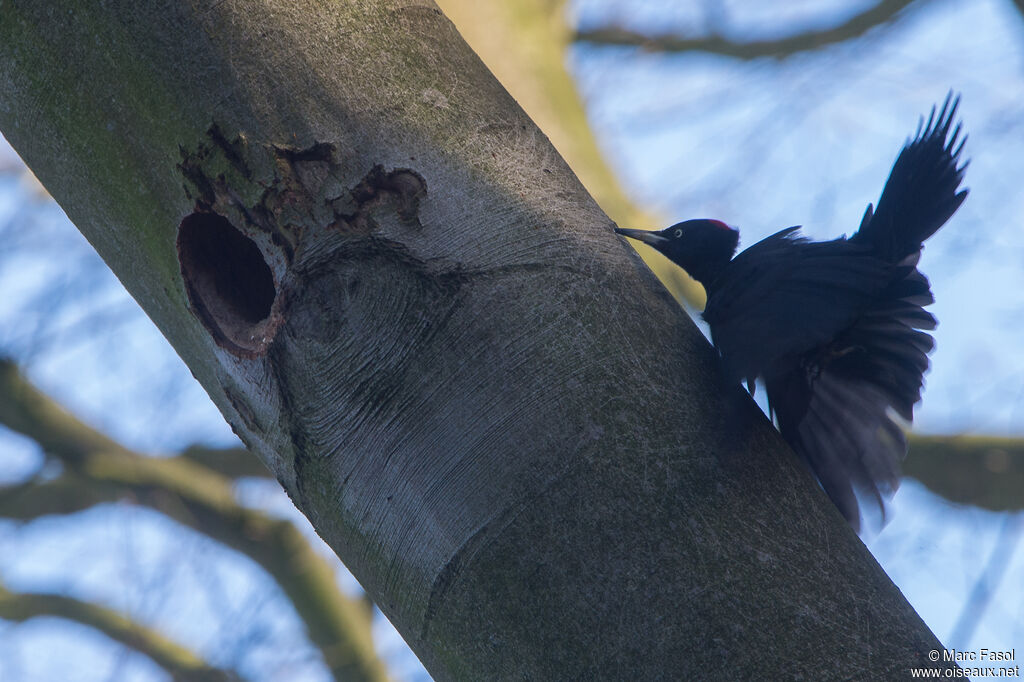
[677, 234]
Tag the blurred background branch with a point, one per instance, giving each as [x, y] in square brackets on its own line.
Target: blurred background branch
[884, 13]
[98, 470]
[177, 661]
[980, 471]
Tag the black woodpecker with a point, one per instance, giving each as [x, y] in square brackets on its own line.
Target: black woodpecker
[834, 328]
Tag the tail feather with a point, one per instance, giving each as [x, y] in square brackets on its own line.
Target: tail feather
[851, 446]
[921, 192]
[849, 441]
[817, 445]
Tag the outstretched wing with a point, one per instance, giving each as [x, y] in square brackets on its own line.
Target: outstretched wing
[921, 192]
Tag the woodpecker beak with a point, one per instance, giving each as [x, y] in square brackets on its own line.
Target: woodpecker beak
[652, 238]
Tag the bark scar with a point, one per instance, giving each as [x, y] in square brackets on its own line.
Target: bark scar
[401, 188]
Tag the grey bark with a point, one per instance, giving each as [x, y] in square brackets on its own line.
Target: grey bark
[483, 401]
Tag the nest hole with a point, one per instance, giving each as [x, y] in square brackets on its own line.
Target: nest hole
[229, 283]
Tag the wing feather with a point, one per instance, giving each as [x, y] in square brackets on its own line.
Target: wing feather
[785, 295]
[837, 404]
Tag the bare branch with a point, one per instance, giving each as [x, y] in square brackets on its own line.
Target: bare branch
[100, 470]
[58, 432]
[178, 661]
[981, 471]
[234, 462]
[884, 12]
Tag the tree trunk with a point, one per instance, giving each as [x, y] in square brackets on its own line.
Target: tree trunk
[406, 305]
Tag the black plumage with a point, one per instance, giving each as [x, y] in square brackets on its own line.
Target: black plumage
[836, 329]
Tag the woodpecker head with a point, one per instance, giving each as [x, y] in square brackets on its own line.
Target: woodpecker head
[701, 247]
